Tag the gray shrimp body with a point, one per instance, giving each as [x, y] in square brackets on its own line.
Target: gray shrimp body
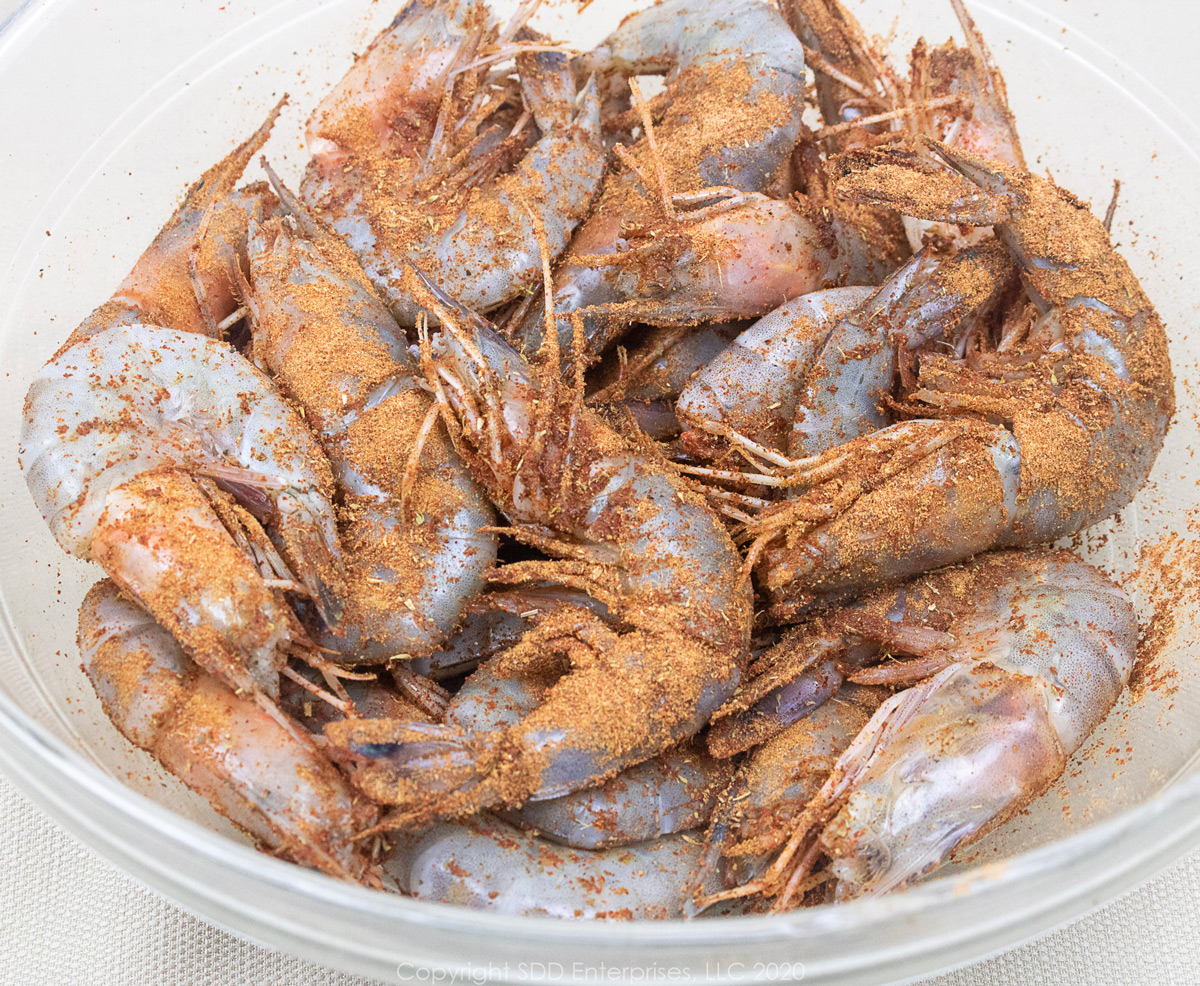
[753, 386]
[1015, 659]
[672, 792]
[265, 776]
[1051, 430]
[399, 189]
[414, 521]
[927, 299]
[491, 866]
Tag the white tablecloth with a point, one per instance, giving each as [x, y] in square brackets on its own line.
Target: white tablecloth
[67, 917]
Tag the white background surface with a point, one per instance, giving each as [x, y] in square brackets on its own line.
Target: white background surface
[68, 917]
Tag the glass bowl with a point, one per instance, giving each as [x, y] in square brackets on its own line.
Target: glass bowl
[109, 111]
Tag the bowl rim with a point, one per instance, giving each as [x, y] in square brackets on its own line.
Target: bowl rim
[247, 861]
[47, 750]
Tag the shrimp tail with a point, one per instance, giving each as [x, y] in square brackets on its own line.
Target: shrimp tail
[310, 547]
[428, 770]
[708, 879]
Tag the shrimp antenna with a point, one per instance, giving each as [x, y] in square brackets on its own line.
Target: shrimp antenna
[660, 167]
[550, 347]
[309, 224]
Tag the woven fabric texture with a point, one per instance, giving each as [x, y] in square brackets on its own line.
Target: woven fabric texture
[67, 916]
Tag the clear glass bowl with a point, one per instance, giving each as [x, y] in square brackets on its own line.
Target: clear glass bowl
[108, 112]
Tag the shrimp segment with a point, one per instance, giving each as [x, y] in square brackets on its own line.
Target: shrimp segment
[630, 534]
[385, 178]
[853, 373]
[825, 363]
[1034, 648]
[119, 434]
[268, 779]
[491, 866]
[684, 234]
[412, 519]
[1084, 401]
[673, 792]
[753, 387]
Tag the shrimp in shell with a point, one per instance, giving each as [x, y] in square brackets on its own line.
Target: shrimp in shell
[187, 278]
[265, 776]
[753, 386]
[755, 814]
[414, 526]
[1026, 438]
[851, 379]
[673, 792]
[133, 441]
[685, 234]
[388, 178]
[1016, 658]
[487, 865]
[828, 361]
[629, 532]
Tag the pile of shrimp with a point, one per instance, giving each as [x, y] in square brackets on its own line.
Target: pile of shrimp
[567, 501]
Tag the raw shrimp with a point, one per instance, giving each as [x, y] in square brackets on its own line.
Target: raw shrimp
[413, 522]
[388, 103]
[268, 779]
[825, 363]
[378, 136]
[673, 792]
[753, 386]
[684, 234]
[755, 815]
[1018, 655]
[1052, 428]
[124, 439]
[981, 123]
[187, 278]
[627, 531]
[491, 866]
[852, 374]
[955, 94]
